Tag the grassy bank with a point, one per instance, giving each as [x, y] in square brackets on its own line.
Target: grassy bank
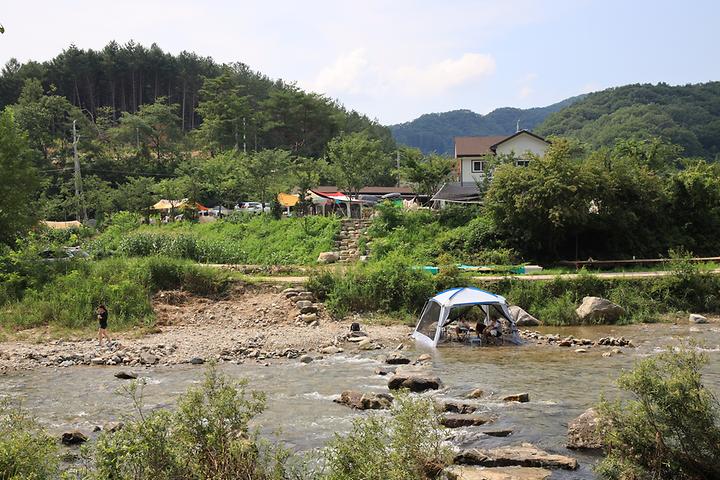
[242, 239]
[68, 300]
[392, 285]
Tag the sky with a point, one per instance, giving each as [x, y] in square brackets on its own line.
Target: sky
[397, 59]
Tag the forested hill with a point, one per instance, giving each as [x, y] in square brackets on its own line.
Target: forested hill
[124, 78]
[686, 115]
[434, 132]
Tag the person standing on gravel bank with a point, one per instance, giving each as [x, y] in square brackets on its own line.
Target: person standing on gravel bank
[102, 316]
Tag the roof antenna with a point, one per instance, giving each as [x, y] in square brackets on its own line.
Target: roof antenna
[517, 126]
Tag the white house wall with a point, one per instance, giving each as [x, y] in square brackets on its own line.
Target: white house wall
[468, 177]
[520, 145]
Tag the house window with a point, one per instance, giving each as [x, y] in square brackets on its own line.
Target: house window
[522, 163]
[478, 166]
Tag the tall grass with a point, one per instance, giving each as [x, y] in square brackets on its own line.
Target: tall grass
[259, 240]
[124, 285]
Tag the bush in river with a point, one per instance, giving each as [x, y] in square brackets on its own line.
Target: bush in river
[407, 445]
[26, 450]
[670, 425]
[207, 436]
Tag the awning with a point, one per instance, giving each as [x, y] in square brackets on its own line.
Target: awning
[169, 204]
[457, 193]
[288, 200]
[61, 225]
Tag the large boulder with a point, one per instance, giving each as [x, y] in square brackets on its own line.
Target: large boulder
[598, 310]
[523, 318]
[463, 472]
[397, 359]
[415, 380]
[365, 401]
[455, 407]
[584, 433]
[518, 397]
[524, 455]
[328, 257]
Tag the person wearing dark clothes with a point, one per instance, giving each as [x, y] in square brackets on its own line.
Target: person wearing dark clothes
[102, 316]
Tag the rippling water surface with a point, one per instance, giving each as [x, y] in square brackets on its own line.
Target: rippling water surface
[561, 384]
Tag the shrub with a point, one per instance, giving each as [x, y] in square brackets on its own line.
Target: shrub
[670, 426]
[208, 436]
[27, 451]
[405, 446]
[559, 310]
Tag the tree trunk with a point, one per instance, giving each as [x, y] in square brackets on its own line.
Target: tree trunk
[184, 93]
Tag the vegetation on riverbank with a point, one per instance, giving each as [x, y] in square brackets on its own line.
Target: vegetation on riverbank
[68, 297]
[393, 285]
[238, 239]
[669, 427]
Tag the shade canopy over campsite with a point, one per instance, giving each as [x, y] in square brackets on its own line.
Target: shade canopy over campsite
[440, 310]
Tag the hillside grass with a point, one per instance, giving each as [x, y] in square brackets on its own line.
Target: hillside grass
[68, 301]
[255, 240]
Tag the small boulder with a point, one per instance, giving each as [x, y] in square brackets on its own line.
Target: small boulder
[697, 318]
[303, 304]
[459, 472]
[126, 375]
[456, 407]
[397, 359]
[385, 370]
[331, 350]
[365, 401]
[596, 309]
[197, 360]
[306, 359]
[425, 357]
[328, 257]
[74, 437]
[477, 393]
[519, 397]
[113, 427]
[583, 432]
[457, 420]
[148, 359]
[414, 380]
[523, 318]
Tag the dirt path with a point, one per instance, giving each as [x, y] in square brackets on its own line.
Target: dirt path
[490, 278]
[254, 323]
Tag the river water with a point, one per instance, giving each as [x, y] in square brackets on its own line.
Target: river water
[561, 384]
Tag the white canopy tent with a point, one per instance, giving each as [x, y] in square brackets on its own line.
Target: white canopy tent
[435, 317]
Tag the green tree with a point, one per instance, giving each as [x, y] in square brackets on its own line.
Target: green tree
[357, 161]
[20, 182]
[428, 172]
[269, 172]
[156, 125]
[225, 112]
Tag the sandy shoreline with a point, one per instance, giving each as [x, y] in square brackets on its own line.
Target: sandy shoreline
[254, 323]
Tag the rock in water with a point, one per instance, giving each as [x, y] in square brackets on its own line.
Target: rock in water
[126, 375]
[477, 393]
[74, 437]
[397, 359]
[523, 318]
[197, 360]
[365, 401]
[697, 318]
[596, 309]
[306, 359]
[457, 420]
[458, 472]
[525, 455]
[414, 380]
[456, 407]
[583, 432]
[519, 397]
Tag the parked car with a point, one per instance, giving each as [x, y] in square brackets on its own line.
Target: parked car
[252, 207]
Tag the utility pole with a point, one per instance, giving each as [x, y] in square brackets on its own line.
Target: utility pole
[397, 162]
[78, 178]
[244, 138]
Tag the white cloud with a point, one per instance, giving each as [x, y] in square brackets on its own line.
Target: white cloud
[525, 91]
[354, 73]
[344, 75]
